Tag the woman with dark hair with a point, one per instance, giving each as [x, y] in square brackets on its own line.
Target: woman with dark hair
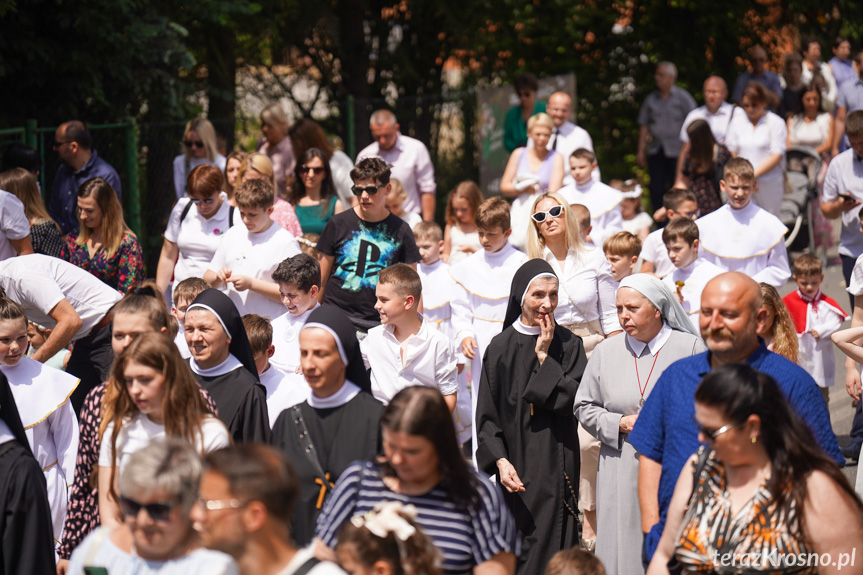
[515, 130]
[761, 496]
[193, 235]
[44, 231]
[463, 513]
[314, 193]
[812, 126]
[526, 430]
[104, 245]
[702, 166]
[306, 134]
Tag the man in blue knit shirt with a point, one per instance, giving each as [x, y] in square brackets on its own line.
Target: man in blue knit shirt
[665, 434]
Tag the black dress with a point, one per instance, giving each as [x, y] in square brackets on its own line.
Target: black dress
[242, 403]
[525, 414]
[340, 435]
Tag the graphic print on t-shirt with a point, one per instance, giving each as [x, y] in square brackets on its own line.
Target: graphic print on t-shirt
[363, 256]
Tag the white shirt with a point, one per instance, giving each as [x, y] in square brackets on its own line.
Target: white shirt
[411, 218]
[639, 222]
[569, 137]
[286, 339]
[749, 240]
[38, 283]
[181, 175]
[756, 143]
[13, 223]
[341, 166]
[586, 290]
[439, 289]
[412, 166]
[718, 121]
[845, 176]
[694, 277]
[284, 390]
[427, 358]
[816, 355]
[197, 237]
[137, 433]
[255, 255]
[653, 250]
[303, 555]
[603, 203]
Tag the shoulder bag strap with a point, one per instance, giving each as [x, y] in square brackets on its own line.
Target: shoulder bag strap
[311, 453]
[230, 217]
[307, 566]
[185, 211]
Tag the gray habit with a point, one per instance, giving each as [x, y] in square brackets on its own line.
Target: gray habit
[609, 390]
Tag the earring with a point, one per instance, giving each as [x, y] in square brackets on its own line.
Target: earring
[755, 439]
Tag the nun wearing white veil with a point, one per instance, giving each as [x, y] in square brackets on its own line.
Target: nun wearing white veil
[619, 376]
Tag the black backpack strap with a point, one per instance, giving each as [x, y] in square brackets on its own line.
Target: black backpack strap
[185, 211]
[307, 566]
[230, 217]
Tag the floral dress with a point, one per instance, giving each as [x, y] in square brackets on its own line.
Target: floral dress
[123, 270]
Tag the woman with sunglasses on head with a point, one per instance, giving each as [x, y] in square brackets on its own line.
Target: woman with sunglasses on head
[761, 496]
[104, 245]
[157, 488]
[154, 395]
[199, 148]
[586, 307]
[195, 227]
[313, 193]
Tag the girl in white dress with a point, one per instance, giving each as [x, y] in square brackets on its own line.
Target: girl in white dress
[461, 238]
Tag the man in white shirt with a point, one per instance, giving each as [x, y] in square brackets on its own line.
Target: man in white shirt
[71, 302]
[410, 159]
[715, 111]
[14, 227]
[566, 137]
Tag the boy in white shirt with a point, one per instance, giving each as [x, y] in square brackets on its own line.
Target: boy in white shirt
[622, 251]
[742, 237]
[438, 291]
[692, 273]
[248, 255]
[678, 203]
[185, 293]
[404, 350]
[284, 390]
[299, 281]
[601, 200]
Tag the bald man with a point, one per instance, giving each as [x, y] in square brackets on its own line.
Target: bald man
[715, 111]
[760, 74]
[566, 137]
[665, 434]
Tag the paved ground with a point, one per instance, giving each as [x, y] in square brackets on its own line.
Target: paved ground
[841, 412]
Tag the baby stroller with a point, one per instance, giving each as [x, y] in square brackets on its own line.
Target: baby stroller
[802, 165]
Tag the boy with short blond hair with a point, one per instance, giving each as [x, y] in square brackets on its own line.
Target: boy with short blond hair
[299, 281]
[602, 201]
[740, 236]
[622, 251]
[816, 317]
[692, 273]
[404, 350]
[185, 293]
[248, 255]
[678, 203]
[284, 390]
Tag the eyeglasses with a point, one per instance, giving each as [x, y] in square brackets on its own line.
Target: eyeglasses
[197, 201]
[216, 504]
[712, 434]
[370, 190]
[694, 215]
[58, 145]
[554, 212]
[191, 144]
[306, 169]
[157, 511]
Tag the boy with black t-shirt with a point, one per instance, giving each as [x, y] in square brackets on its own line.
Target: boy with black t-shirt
[357, 244]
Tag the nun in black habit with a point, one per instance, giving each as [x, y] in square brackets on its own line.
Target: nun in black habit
[526, 429]
[223, 364]
[337, 425]
[26, 542]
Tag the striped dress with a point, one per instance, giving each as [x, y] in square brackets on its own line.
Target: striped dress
[464, 537]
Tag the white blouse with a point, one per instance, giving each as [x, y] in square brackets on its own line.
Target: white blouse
[756, 143]
[587, 289]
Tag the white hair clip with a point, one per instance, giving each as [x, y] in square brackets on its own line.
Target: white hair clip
[388, 517]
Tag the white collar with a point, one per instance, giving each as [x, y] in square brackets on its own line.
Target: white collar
[526, 329]
[39, 390]
[654, 345]
[230, 364]
[346, 392]
[390, 330]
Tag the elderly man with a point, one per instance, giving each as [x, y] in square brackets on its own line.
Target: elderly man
[411, 163]
[665, 434]
[566, 137]
[850, 99]
[80, 162]
[660, 120]
[760, 74]
[612, 391]
[715, 111]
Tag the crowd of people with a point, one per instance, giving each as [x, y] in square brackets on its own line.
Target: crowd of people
[321, 379]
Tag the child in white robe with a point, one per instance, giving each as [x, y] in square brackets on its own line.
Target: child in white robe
[601, 200]
[678, 203]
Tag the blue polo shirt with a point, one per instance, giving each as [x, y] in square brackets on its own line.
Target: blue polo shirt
[665, 431]
[63, 204]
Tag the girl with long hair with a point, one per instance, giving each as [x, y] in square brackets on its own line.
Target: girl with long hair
[313, 194]
[104, 245]
[779, 333]
[460, 237]
[45, 234]
[702, 166]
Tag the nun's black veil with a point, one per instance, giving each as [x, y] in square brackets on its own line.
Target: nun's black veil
[221, 305]
[9, 413]
[520, 282]
[336, 320]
